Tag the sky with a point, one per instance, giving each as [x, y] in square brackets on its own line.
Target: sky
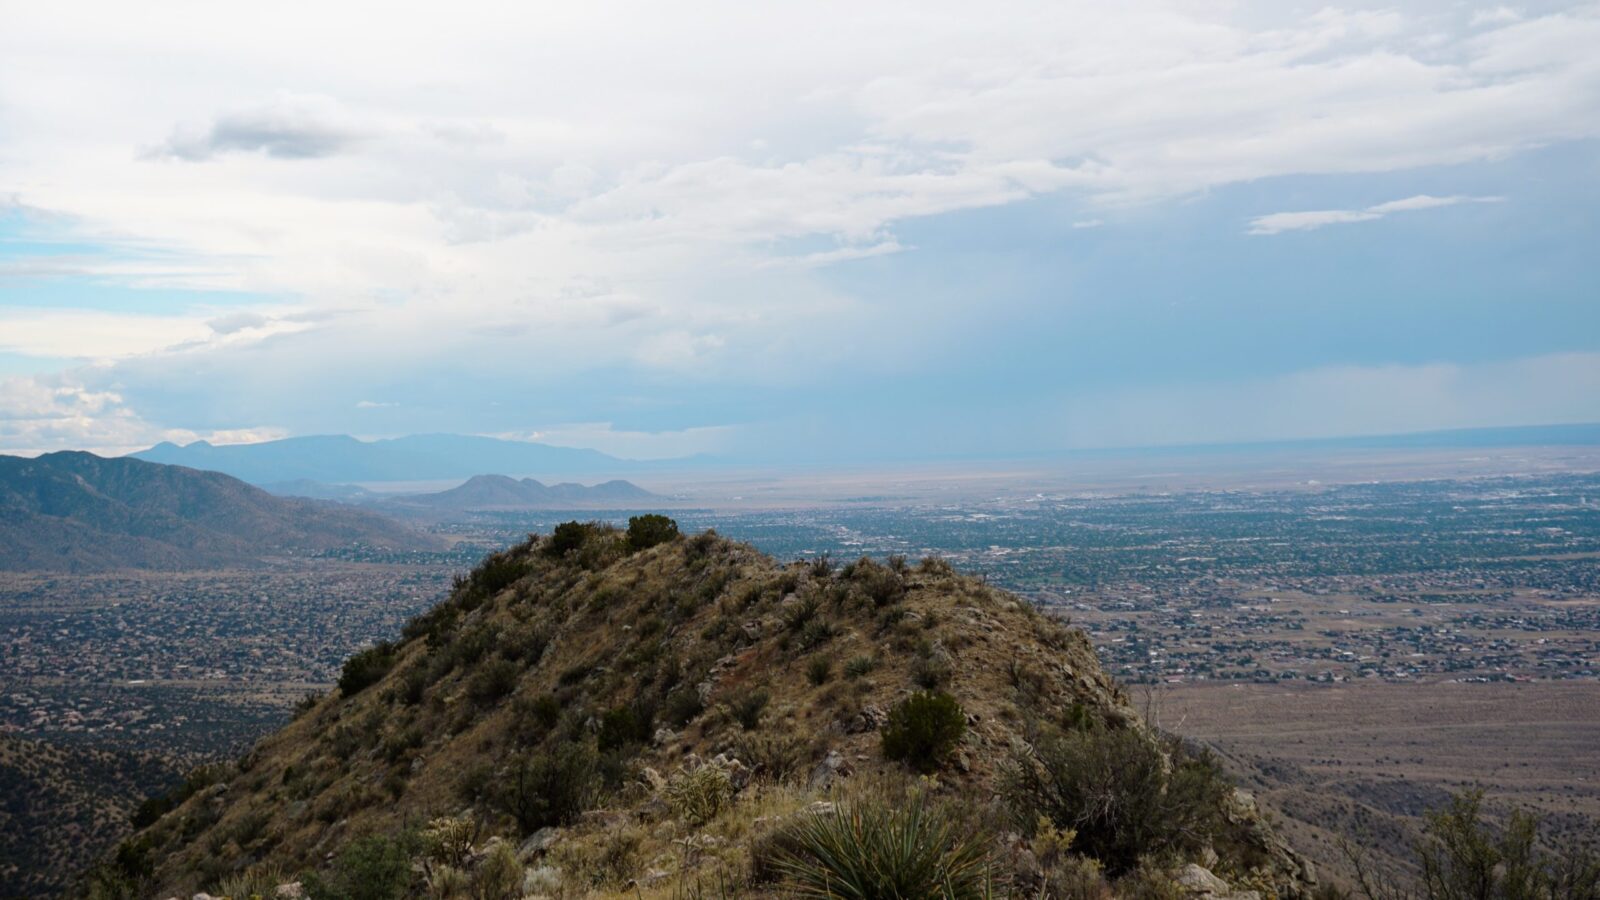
[796, 232]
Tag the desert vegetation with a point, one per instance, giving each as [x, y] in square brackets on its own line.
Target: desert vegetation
[607, 712]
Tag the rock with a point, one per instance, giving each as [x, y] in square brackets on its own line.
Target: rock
[829, 770]
[203, 897]
[870, 718]
[752, 630]
[1198, 880]
[653, 778]
[538, 842]
[663, 736]
[705, 689]
[291, 891]
[738, 772]
[821, 808]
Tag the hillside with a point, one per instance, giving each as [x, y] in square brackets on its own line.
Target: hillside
[59, 805]
[340, 458]
[80, 512]
[590, 715]
[485, 492]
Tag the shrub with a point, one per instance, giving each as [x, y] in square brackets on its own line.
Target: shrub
[647, 531]
[773, 756]
[682, 706]
[448, 840]
[366, 668]
[871, 849]
[1115, 789]
[930, 672]
[493, 680]
[256, 881]
[566, 537]
[923, 729]
[499, 876]
[859, 666]
[747, 708]
[625, 725]
[816, 633]
[497, 572]
[372, 868]
[548, 787]
[545, 710]
[819, 670]
[697, 795]
[881, 584]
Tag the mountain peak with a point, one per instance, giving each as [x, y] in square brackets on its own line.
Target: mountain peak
[603, 700]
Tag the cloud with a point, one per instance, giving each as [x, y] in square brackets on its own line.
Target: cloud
[43, 413]
[285, 128]
[1499, 15]
[557, 197]
[607, 438]
[374, 404]
[1277, 223]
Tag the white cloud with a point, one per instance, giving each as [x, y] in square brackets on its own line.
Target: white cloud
[1499, 15]
[1277, 223]
[546, 188]
[40, 414]
[606, 438]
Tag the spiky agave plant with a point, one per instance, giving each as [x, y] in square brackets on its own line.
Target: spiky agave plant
[874, 849]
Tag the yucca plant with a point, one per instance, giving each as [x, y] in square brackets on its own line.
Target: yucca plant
[873, 849]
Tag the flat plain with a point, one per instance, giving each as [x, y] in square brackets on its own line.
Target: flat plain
[1366, 759]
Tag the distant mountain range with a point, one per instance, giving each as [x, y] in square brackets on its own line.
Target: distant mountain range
[74, 511]
[340, 459]
[501, 492]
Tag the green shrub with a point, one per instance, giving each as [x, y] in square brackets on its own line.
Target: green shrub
[815, 633]
[747, 707]
[256, 881]
[775, 757]
[493, 680]
[682, 706]
[624, 726]
[1115, 789]
[366, 668]
[923, 729]
[819, 670]
[859, 666]
[372, 868]
[566, 537]
[499, 876]
[872, 849]
[647, 531]
[697, 795]
[549, 787]
[497, 572]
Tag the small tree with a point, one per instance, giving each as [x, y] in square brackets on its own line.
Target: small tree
[566, 536]
[365, 668]
[649, 530]
[923, 729]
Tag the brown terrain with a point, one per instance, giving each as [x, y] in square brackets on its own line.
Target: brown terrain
[1364, 760]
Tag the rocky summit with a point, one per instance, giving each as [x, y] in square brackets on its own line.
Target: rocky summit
[602, 712]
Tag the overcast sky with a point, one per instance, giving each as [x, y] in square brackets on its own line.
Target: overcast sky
[795, 231]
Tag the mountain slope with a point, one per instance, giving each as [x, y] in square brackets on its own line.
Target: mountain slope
[61, 805]
[341, 458]
[502, 492]
[582, 717]
[81, 512]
